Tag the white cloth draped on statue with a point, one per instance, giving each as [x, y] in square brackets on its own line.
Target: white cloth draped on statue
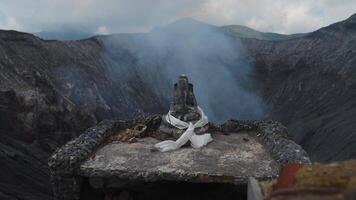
[196, 141]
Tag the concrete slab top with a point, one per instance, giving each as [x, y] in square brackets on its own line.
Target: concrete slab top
[228, 158]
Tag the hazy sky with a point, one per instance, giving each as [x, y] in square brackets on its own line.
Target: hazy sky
[109, 16]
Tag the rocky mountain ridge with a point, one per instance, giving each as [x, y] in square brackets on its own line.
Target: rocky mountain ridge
[51, 92]
[309, 84]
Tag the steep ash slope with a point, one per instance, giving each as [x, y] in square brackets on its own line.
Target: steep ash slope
[51, 91]
[310, 85]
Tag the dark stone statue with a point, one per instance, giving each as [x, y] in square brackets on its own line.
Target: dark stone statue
[184, 107]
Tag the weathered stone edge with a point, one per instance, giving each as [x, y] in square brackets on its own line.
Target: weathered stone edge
[68, 158]
[275, 136]
[65, 162]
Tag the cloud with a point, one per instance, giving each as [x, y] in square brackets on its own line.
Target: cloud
[102, 30]
[279, 15]
[141, 15]
[8, 22]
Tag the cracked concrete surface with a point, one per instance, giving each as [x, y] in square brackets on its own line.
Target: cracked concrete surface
[228, 159]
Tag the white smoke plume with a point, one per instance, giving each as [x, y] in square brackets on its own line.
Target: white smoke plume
[214, 62]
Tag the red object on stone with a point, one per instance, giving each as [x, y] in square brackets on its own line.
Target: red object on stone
[287, 175]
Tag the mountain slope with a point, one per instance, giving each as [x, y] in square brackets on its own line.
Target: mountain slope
[50, 92]
[310, 85]
[246, 32]
[65, 34]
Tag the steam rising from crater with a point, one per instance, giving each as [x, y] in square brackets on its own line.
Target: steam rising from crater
[214, 62]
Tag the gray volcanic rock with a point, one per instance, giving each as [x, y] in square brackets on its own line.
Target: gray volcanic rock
[31, 128]
[310, 85]
[50, 92]
[77, 73]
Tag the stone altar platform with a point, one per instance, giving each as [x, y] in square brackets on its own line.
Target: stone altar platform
[94, 166]
[228, 159]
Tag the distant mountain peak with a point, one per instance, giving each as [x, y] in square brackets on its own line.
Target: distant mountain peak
[339, 29]
[188, 21]
[186, 24]
[246, 32]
